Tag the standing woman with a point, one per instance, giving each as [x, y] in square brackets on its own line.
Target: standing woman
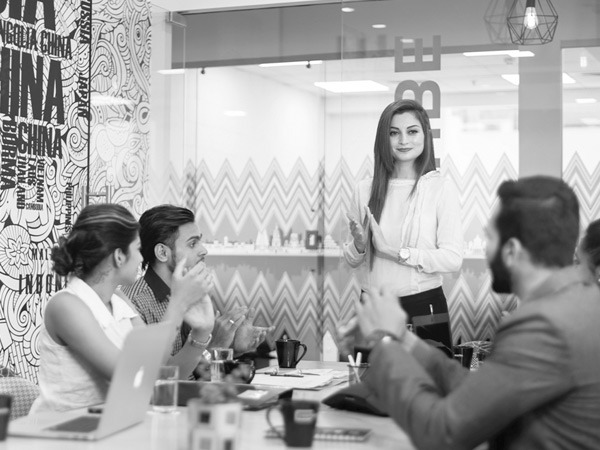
[405, 222]
[86, 323]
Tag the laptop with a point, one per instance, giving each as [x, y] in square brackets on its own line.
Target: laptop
[127, 399]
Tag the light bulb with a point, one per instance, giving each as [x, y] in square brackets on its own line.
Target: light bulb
[531, 19]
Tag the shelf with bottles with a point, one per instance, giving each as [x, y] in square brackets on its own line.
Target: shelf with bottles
[294, 247]
[250, 250]
[292, 244]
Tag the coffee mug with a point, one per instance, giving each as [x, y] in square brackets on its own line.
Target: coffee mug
[299, 421]
[287, 352]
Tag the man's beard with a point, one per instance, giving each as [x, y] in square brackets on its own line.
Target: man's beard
[501, 282]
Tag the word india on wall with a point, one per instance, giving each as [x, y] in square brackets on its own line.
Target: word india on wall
[45, 49]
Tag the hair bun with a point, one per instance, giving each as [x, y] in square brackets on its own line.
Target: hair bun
[61, 257]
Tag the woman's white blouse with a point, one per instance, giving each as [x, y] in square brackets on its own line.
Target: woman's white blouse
[428, 223]
[66, 380]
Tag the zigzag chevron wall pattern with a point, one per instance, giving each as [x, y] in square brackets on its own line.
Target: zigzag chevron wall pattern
[586, 186]
[307, 297]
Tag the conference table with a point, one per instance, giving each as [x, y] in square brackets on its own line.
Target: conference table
[166, 431]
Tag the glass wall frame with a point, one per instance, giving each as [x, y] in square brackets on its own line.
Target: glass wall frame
[270, 159]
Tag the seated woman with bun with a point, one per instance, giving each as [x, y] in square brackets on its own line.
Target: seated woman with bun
[588, 251]
[86, 323]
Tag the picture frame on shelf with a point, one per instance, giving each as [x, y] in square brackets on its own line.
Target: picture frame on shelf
[311, 241]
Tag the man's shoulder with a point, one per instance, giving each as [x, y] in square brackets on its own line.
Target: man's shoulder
[576, 308]
[139, 292]
[572, 313]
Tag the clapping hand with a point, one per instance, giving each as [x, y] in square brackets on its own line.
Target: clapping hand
[248, 336]
[380, 310]
[189, 289]
[359, 231]
[348, 335]
[226, 325]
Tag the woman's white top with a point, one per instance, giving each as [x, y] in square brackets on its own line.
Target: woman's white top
[428, 224]
[66, 380]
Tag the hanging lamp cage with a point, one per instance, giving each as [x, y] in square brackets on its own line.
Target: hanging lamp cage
[532, 22]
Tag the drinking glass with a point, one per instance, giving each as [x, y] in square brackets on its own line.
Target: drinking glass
[165, 390]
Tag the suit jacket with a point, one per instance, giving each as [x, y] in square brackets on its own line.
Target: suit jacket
[539, 388]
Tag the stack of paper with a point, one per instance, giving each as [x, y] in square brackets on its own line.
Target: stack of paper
[308, 379]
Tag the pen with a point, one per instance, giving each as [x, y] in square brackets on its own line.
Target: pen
[353, 365]
[287, 375]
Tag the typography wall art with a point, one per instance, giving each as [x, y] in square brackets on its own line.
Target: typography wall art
[45, 51]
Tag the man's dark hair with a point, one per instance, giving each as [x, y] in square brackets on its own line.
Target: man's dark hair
[160, 225]
[543, 214]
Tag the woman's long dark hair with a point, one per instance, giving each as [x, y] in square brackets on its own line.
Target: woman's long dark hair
[384, 160]
[98, 231]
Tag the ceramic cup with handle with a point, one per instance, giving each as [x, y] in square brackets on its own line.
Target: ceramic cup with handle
[287, 352]
[299, 421]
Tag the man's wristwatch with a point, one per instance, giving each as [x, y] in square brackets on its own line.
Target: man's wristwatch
[378, 335]
[198, 344]
[403, 255]
[406, 340]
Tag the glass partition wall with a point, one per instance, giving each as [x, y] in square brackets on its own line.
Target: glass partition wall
[250, 136]
[165, 162]
[269, 131]
[581, 132]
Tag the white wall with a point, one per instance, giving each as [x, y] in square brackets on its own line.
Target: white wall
[281, 123]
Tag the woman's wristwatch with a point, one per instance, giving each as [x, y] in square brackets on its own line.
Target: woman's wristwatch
[403, 255]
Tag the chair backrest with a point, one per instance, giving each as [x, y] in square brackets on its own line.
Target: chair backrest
[434, 328]
[23, 393]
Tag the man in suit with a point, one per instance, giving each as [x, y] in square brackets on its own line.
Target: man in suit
[540, 387]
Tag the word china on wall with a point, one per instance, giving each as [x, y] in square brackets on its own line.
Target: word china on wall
[45, 50]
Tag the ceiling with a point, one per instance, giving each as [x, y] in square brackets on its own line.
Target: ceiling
[216, 5]
[462, 79]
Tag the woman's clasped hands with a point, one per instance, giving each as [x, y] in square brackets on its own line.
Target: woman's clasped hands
[359, 230]
[360, 233]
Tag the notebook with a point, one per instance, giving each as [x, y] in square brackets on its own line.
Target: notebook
[127, 399]
[336, 434]
[294, 378]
